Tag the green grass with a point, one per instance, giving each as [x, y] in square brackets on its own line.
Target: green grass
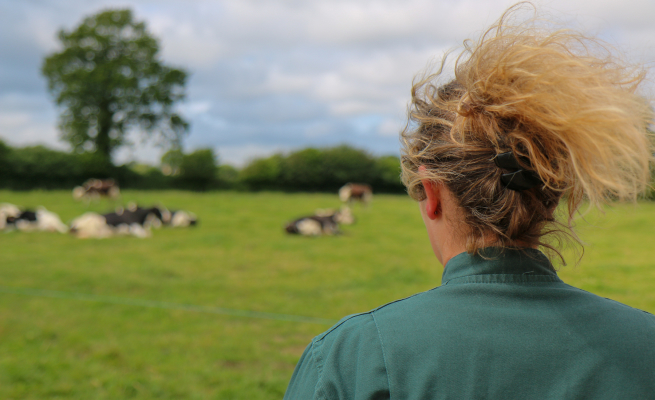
[237, 258]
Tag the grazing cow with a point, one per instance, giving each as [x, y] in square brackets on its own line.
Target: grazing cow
[27, 220]
[94, 189]
[356, 191]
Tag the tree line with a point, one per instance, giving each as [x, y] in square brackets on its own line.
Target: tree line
[306, 170]
[108, 79]
[38, 167]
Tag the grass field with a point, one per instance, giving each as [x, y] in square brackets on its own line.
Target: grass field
[150, 318]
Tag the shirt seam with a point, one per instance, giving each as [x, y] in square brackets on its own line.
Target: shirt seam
[502, 283]
[539, 279]
[319, 369]
[322, 336]
[613, 301]
[384, 354]
[370, 312]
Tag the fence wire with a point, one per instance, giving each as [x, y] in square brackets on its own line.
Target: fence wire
[57, 294]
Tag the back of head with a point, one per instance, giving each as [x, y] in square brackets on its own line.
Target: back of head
[563, 103]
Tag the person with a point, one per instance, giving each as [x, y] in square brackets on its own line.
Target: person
[535, 117]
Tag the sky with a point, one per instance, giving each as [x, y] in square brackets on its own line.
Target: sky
[271, 76]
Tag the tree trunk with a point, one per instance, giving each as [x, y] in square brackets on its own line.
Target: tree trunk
[102, 139]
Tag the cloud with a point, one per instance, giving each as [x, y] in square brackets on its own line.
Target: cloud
[268, 76]
[28, 120]
[390, 127]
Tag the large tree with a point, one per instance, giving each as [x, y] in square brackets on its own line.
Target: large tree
[109, 79]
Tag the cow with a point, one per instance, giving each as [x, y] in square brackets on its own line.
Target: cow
[323, 222]
[313, 225]
[91, 225]
[343, 217]
[145, 217]
[8, 211]
[94, 189]
[49, 221]
[176, 218]
[181, 218]
[356, 191]
[27, 220]
[133, 220]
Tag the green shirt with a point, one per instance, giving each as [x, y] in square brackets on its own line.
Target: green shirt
[499, 328]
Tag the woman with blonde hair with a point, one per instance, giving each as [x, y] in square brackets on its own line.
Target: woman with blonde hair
[533, 118]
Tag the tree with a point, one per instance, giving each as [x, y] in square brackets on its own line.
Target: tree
[227, 177]
[108, 79]
[198, 170]
[263, 173]
[171, 161]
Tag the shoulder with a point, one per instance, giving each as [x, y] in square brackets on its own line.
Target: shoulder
[343, 341]
[346, 361]
[631, 330]
[365, 324]
[617, 308]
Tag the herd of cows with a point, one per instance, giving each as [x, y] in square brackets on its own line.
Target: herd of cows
[138, 221]
[132, 220]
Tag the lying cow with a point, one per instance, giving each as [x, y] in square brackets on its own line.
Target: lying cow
[323, 222]
[314, 225]
[11, 217]
[135, 221]
[181, 218]
[145, 217]
[91, 225]
[174, 218]
[356, 191]
[94, 189]
[8, 211]
[343, 217]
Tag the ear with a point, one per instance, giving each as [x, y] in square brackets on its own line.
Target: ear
[433, 197]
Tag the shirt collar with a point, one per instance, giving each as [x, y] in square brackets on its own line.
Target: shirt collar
[496, 260]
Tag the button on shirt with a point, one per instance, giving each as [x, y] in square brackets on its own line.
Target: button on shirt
[501, 326]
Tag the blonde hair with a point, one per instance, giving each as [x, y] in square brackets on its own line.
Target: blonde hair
[562, 102]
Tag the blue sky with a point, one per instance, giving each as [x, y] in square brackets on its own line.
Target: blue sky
[278, 75]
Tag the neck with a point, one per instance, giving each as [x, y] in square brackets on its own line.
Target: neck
[448, 250]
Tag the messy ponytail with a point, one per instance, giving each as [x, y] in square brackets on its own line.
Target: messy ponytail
[561, 102]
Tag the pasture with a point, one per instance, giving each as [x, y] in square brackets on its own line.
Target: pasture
[224, 310]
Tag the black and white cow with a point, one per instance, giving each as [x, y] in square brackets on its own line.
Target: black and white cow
[8, 211]
[343, 216]
[313, 225]
[176, 218]
[181, 218]
[12, 217]
[134, 220]
[146, 217]
[323, 222]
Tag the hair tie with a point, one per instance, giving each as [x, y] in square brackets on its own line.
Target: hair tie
[519, 179]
